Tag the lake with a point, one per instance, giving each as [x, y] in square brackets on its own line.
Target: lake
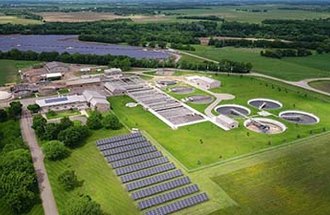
[71, 44]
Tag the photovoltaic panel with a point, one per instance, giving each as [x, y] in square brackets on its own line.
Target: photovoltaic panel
[129, 154]
[179, 205]
[140, 166]
[126, 148]
[149, 191]
[147, 172]
[136, 159]
[153, 180]
[111, 145]
[53, 100]
[162, 198]
[119, 138]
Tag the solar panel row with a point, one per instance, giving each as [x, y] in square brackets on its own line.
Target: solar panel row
[149, 191]
[121, 143]
[140, 166]
[53, 100]
[162, 198]
[118, 138]
[126, 148]
[153, 180]
[132, 153]
[179, 205]
[147, 172]
[136, 159]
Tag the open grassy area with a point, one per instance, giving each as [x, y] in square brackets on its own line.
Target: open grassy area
[321, 85]
[296, 182]
[100, 182]
[292, 69]
[218, 145]
[17, 20]
[230, 13]
[61, 114]
[9, 69]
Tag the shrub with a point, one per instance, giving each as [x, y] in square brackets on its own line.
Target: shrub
[110, 121]
[94, 121]
[73, 136]
[68, 179]
[83, 205]
[55, 150]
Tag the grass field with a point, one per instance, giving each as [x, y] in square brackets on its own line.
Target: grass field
[292, 69]
[62, 114]
[9, 69]
[17, 20]
[99, 181]
[294, 183]
[230, 13]
[218, 145]
[321, 85]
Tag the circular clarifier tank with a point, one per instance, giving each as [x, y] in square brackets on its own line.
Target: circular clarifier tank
[232, 110]
[265, 126]
[299, 117]
[182, 90]
[265, 104]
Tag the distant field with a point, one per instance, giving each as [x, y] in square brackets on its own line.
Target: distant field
[94, 16]
[230, 13]
[9, 69]
[321, 85]
[297, 182]
[100, 182]
[16, 20]
[292, 69]
[218, 145]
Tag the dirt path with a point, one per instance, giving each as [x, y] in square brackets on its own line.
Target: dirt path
[46, 194]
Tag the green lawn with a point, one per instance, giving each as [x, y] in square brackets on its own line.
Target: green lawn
[9, 69]
[321, 85]
[293, 69]
[297, 182]
[218, 145]
[61, 114]
[100, 182]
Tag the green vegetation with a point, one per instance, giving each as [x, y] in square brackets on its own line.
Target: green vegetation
[100, 183]
[293, 69]
[321, 85]
[204, 143]
[17, 20]
[296, 182]
[55, 150]
[9, 69]
[61, 114]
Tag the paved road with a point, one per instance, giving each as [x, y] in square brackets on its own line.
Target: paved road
[46, 194]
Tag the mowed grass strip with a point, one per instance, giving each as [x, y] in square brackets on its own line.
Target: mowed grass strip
[205, 143]
[293, 69]
[100, 182]
[295, 183]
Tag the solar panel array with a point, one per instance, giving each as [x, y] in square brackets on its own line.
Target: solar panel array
[150, 177]
[53, 100]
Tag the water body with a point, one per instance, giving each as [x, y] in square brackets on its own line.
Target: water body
[71, 44]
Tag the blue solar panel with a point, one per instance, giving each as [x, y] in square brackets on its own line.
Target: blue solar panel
[60, 99]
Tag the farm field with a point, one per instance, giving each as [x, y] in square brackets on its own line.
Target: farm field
[100, 182]
[321, 85]
[292, 69]
[296, 182]
[17, 20]
[230, 13]
[9, 69]
[192, 145]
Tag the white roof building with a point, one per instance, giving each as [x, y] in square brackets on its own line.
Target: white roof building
[63, 100]
[83, 81]
[204, 82]
[226, 121]
[53, 75]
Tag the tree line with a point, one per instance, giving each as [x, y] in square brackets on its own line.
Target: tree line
[125, 62]
[280, 53]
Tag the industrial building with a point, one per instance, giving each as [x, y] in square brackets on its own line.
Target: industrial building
[63, 103]
[226, 121]
[114, 73]
[203, 82]
[83, 82]
[56, 67]
[96, 101]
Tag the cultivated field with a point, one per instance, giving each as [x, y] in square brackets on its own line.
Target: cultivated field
[94, 16]
[321, 85]
[203, 144]
[17, 20]
[296, 182]
[291, 68]
[9, 70]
